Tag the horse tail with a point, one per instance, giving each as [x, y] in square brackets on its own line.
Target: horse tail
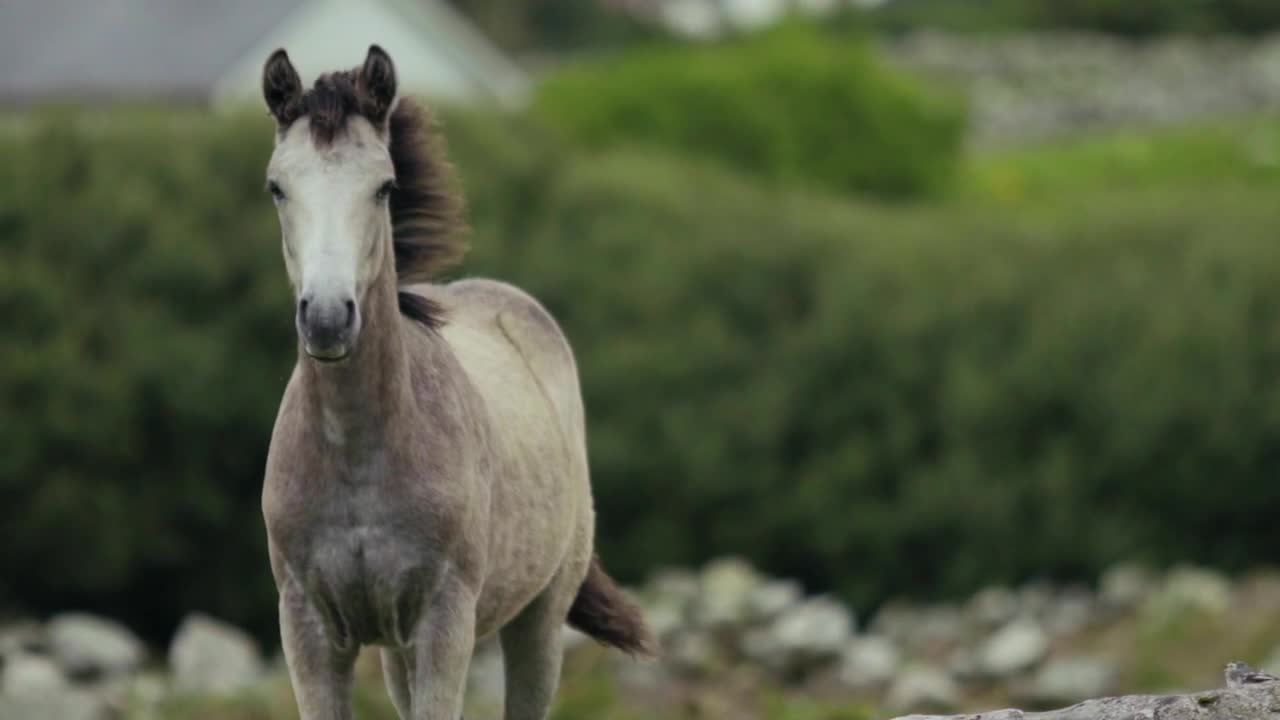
[604, 612]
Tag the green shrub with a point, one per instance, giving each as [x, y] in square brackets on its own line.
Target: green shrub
[791, 105]
[878, 400]
[1133, 18]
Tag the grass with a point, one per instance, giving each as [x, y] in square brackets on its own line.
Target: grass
[590, 690]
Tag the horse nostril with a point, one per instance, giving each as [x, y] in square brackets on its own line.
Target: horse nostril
[351, 313]
[302, 307]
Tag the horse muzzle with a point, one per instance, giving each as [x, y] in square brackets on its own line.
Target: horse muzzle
[328, 326]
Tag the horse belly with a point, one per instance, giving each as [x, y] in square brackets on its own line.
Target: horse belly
[535, 523]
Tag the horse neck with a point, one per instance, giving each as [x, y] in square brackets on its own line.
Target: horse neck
[360, 398]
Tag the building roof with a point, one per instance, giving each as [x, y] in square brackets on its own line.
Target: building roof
[107, 48]
[205, 50]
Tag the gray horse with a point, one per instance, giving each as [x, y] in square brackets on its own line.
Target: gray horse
[427, 480]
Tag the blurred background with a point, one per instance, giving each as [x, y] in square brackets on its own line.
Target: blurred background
[929, 347]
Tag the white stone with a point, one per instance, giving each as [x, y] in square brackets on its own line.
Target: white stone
[869, 662]
[1014, 648]
[693, 653]
[210, 656]
[726, 586]
[31, 675]
[923, 688]
[817, 627]
[87, 646]
[772, 598]
[1125, 586]
[993, 606]
[1189, 589]
[1072, 611]
[1067, 680]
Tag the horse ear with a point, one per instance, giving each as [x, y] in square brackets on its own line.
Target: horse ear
[376, 84]
[281, 88]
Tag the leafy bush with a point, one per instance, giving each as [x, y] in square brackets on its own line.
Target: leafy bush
[791, 105]
[146, 341]
[1136, 18]
[878, 400]
[991, 394]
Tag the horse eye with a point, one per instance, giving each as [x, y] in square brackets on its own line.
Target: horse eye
[384, 190]
[274, 188]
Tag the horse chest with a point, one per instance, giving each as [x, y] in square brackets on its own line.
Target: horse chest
[366, 574]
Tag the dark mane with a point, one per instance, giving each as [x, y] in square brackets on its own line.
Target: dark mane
[426, 209]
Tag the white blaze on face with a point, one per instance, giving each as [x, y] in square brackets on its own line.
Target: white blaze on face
[333, 219]
[334, 223]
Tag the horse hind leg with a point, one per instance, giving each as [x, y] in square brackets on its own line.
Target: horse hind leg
[532, 648]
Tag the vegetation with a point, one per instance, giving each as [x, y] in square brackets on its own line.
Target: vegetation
[1136, 18]
[1066, 360]
[793, 105]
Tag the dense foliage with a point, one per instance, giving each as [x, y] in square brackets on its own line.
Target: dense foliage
[521, 26]
[879, 400]
[1138, 18]
[794, 105]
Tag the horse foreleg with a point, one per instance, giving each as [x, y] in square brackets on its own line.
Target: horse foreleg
[441, 655]
[320, 672]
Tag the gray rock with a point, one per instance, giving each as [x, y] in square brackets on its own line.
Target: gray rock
[920, 630]
[868, 662]
[922, 688]
[693, 653]
[679, 586]
[663, 615]
[88, 647]
[26, 674]
[1251, 702]
[759, 646]
[1189, 589]
[210, 656]
[992, 607]
[1125, 586]
[812, 633]
[963, 664]
[770, 599]
[1035, 600]
[726, 588]
[668, 600]
[1067, 680]
[1014, 648]
[1073, 609]
[1028, 86]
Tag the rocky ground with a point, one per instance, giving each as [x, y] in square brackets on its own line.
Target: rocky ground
[1029, 87]
[728, 628]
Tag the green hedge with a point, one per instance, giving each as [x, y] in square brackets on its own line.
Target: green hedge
[146, 341]
[793, 105]
[1134, 18]
[877, 400]
[917, 401]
